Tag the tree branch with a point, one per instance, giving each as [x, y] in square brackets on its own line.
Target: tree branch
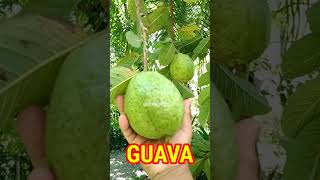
[144, 34]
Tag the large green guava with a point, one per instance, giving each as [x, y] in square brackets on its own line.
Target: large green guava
[76, 122]
[241, 30]
[182, 68]
[153, 105]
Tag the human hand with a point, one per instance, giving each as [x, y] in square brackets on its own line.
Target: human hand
[247, 137]
[41, 173]
[182, 136]
[31, 127]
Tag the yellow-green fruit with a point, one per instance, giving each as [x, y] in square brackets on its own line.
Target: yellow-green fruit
[241, 30]
[182, 68]
[153, 105]
[76, 123]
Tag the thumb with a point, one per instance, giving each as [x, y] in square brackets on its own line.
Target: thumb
[187, 120]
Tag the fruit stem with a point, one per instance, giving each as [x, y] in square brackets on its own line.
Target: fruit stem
[144, 34]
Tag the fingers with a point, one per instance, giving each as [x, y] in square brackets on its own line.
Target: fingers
[43, 173]
[248, 133]
[120, 104]
[126, 130]
[187, 120]
[31, 128]
[128, 133]
[247, 136]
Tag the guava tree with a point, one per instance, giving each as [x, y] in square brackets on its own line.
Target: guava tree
[239, 41]
[157, 36]
[240, 34]
[36, 46]
[300, 120]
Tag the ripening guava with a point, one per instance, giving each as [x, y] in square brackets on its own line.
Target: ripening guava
[76, 122]
[153, 105]
[241, 33]
[182, 68]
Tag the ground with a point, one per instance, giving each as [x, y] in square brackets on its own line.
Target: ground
[120, 169]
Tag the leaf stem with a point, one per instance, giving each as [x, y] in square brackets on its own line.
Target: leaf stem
[144, 34]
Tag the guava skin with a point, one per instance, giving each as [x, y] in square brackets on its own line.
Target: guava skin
[241, 32]
[182, 68]
[153, 105]
[76, 138]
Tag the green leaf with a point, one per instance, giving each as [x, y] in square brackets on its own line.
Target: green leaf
[200, 146]
[187, 46]
[197, 167]
[201, 151]
[132, 10]
[56, 8]
[188, 32]
[207, 168]
[301, 108]
[313, 15]
[157, 20]
[204, 102]
[119, 89]
[119, 74]
[208, 67]
[185, 91]
[204, 79]
[32, 48]
[165, 71]
[128, 60]
[303, 155]
[133, 39]
[190, 1]
[243, 97]
[204, 95]
[153, 56]
[225, 151]
[302, 57]
[202, 49]
[166, 54]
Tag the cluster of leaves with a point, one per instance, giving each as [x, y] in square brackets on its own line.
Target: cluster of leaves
[300, 121]
[119, 24]
[187, 32]
[14, 160]
[91, 14]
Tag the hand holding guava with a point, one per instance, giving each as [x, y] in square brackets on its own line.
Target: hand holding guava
[31, 127]
[182, 136]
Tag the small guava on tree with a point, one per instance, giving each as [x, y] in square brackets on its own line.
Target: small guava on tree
[182, 68]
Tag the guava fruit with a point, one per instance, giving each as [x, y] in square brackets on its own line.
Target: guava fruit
[76, 119]
[241, 30]
[153, 105]
[182, 68]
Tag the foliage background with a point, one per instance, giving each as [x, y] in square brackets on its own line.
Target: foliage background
[289, 24]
